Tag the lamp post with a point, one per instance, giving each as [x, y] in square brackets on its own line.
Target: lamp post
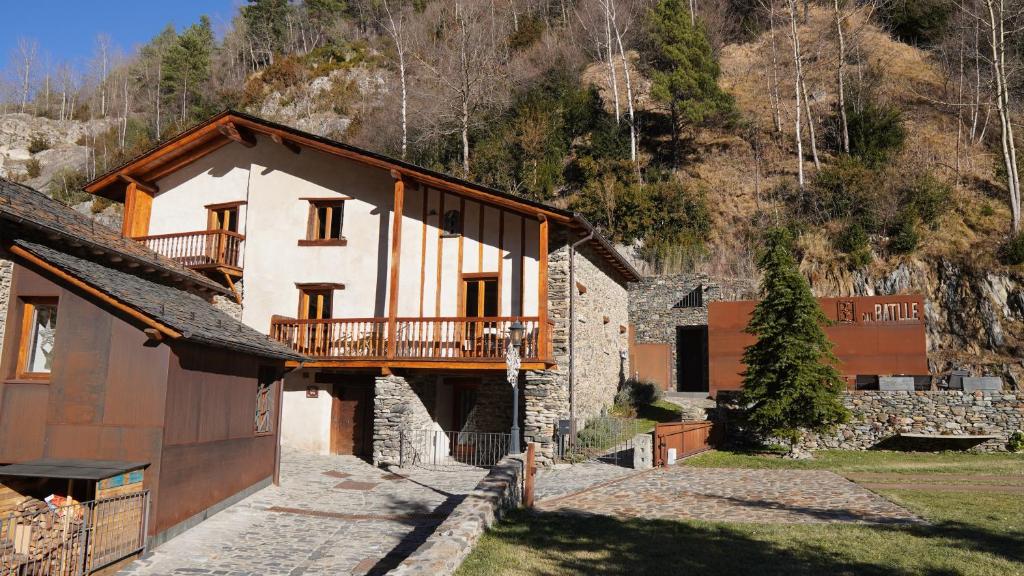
[515, 340]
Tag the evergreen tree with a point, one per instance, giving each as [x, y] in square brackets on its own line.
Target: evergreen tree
[683, 70]
[791, 383]
[267, 22]
[187, 70]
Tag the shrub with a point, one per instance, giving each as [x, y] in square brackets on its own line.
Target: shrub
[1016, 443]
[876, 132]
[852, 238]
[916, 21]
[37, 144]
[927, 196]
[33, 167]
[1012, 251]
[904, 235]
[635, 393]
[847, 189]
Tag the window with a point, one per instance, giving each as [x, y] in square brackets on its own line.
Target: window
[263, 423]
[223, 216]
[315, 303]
[325, 223]
[38, 329]
[452, 223]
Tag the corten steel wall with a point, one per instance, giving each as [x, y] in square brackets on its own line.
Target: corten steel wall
[872, 347]
[210, 448]
[104, 399]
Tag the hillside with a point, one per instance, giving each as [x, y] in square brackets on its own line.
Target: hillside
[919, 203]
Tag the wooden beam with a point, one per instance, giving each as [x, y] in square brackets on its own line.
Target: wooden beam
[138, 205]
[186, 159]
[236, 133]
[291, 146]
[81, 285]
[542, 281]
[396, 258]
[147, 187]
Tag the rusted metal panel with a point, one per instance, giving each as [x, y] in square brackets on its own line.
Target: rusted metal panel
[688, 438]
[653, 362]
[871, 335]
[22, 421]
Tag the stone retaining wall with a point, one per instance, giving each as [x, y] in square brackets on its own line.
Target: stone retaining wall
[397, 405]
[454, 539]
[878, 416]
[6, 273]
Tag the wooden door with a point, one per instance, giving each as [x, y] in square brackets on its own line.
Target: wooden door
[351, 419]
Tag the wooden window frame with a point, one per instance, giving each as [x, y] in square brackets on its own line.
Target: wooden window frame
[213, 220]
[465, 279]
[264, 389]
[312, 222]
[28, 308]
[305, 290]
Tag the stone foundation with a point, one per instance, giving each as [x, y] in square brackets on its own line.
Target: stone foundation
[6, 273]
[397, 405]
[878, 416]
[492, 411]
[546, 400]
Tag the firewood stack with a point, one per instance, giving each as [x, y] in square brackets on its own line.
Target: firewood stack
[36, 540]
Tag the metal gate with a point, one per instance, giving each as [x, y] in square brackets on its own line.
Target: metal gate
[440, 449]
[604, 438]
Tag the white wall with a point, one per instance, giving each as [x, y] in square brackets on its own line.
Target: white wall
[274, 181]
[305, 422]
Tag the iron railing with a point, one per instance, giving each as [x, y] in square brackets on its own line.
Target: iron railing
[439, 448]
[199, 249]
[604, 438]
[76, 539]
[428, 338]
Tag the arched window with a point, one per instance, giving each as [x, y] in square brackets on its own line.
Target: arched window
[451, 222]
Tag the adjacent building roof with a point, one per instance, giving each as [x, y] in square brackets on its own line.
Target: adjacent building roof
[233, 126]
[70, 468]
[194, 318]
[21, 206]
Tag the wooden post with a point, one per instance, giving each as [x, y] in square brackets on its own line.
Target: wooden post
[530, 470]
[542, 288]
[396, 257]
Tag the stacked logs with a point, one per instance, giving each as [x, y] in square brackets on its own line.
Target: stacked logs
[38, 540]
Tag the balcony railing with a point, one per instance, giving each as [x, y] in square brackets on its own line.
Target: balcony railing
[201, 249]
[450, 338]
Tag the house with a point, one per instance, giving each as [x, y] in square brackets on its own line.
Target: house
[688, 333]
[398, 283]
[120, 378]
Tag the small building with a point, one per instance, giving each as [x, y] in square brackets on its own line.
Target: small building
[400, 284]
[688, 334]
[119, 377]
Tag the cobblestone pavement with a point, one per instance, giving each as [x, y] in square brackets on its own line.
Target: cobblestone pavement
[563, 479]
[331, 515]
[734, 495]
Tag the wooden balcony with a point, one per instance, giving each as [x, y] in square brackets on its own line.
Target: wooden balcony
[204, 249]
[448, 342]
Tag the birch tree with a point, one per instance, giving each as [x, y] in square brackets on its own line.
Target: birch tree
[395, 29]
[844, 130]
[999, 15]
[798, 85]
[26, 59]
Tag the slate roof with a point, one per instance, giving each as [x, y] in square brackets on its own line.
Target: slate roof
[196, 319]
[24, 206]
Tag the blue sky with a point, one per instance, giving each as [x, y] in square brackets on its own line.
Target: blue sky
[66, 29]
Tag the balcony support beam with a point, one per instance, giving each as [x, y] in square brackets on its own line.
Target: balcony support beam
[542, 281]
[396, 257]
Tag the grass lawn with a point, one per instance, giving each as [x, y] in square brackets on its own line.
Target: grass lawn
[968, 533]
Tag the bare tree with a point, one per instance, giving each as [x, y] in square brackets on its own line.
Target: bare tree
[609, 9]
[998, 14]
[844, 130]
[26, 58]
[394, 29]
[633, 136]
[798, 84]
[103, 56]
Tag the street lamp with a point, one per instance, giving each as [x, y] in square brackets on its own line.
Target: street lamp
[515, 340]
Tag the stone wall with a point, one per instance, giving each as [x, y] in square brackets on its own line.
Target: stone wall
[492, 411]
[398, 404]
[454, 539]
[6, 273]
[601, 314]
[878, 416]
[654, 313]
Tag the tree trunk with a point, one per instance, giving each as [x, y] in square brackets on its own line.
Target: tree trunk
[998, 43]
[841, 92]
[797, 87]
[611, 64]
[810, 126]
[629, 97]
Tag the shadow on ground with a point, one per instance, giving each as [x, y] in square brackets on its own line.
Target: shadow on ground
[575, 543]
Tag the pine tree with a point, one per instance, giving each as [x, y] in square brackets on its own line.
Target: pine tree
[683, 70]
[791, 383]
[186, 69]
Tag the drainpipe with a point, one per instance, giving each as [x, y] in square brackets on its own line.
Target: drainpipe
[572, 329]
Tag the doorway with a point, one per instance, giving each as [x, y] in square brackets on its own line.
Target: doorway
[352, 416]
[692, 358]
[480, 300]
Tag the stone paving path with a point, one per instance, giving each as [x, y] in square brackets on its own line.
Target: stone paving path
[563, 479]
[331, 515]
[734, 495]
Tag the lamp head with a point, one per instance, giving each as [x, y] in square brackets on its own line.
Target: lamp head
[516, 332]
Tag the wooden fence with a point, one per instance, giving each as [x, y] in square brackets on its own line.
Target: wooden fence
[688, 438]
